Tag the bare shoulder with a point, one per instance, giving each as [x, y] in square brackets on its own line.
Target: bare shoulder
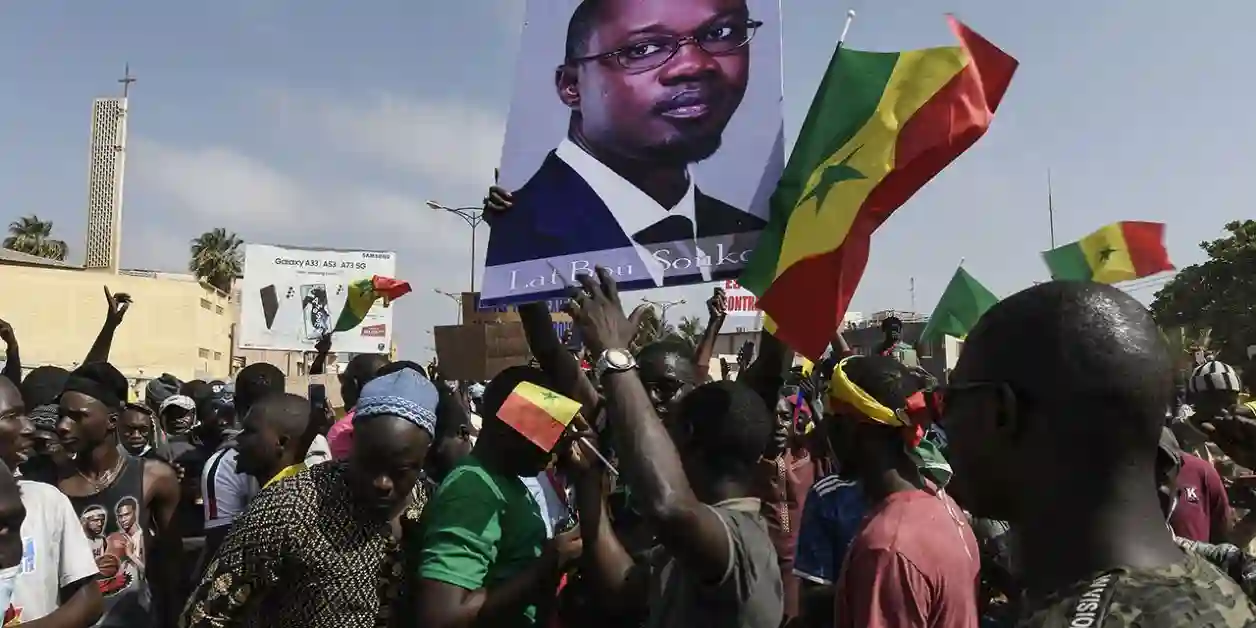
[159, 477]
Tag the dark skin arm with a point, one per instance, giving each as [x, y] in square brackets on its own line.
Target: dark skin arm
[690, 530]
[767, 374]
[12, 356]
[161, 493]
[320, 356]
[118, 304]
[706, 347]
[443, 605]
[81, 606]
[554, 358]
[619, 580]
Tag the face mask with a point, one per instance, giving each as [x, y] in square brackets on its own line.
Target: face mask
[8, 580]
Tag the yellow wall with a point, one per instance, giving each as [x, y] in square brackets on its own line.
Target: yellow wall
[174, 326]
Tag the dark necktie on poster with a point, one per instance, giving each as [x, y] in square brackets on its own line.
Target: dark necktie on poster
[670, 229]
[674, 233]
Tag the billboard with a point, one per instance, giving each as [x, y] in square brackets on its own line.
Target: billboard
[739, 302]
[645, 137]
[291, 296]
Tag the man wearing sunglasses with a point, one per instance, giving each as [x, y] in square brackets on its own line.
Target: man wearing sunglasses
[651, 86]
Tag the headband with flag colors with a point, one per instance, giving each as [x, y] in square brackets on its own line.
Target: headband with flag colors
[540, 414]
[363, 293]
[912, 421]
[1118, 252]
[880, 127]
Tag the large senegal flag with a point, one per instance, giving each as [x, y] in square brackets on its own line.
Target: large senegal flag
[1118, 252]
[880, 127]
[363, 293]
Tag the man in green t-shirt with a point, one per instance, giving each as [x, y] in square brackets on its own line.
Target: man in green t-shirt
[484, 558]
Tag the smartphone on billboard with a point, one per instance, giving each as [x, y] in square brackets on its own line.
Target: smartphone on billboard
[270, 305]
[315, 315]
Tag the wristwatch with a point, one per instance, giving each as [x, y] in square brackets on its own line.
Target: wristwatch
[616, 360]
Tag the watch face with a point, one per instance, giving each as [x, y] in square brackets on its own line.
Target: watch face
[618, 359]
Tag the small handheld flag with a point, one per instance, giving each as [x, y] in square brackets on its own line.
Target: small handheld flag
[363, 293]
[539, 414]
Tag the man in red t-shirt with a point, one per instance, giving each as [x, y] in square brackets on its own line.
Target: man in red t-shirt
[915, 561]
[1202, 511]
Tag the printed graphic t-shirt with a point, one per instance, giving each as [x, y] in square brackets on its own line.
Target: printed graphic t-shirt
[55, 552]
[479, 530]
[113, 520]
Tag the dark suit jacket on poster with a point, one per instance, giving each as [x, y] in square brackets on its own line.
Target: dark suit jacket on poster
[557, 213]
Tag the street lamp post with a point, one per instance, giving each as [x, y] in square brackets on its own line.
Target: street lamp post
[665, 306]
[457, 299]
[473, 217]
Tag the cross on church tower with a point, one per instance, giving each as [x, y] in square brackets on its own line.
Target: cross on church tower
[126, 81]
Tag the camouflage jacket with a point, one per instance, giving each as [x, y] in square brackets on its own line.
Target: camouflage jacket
[1234, 562]
[1191, 593]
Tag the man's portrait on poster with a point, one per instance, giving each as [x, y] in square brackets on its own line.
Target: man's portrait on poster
[649, 88]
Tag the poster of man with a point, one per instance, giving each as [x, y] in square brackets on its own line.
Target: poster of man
[644, 136]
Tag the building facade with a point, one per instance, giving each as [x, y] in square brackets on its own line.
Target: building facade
[176, 324]
[107, 163]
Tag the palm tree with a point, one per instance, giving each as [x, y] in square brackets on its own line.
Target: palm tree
[691, 329]
[216, 258]
[33, 236]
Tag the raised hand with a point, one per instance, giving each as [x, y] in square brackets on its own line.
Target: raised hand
[118, 305]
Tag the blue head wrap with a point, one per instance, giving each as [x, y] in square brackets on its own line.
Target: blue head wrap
[405, 394]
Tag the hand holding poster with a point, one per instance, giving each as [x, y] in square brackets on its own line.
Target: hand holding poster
[652, 149]
[290, 297]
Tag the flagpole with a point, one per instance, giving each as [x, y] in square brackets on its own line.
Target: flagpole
[1050, 209]
[850, 17]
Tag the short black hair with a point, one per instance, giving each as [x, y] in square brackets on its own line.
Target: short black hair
[887, 380]
[399, 365]
[665, 346]
[1076, 346]
[731, 425]
[108, 377]
[43, 385]
[580, 28]
[500, 387]
[289, 414]
[254, 382]
[451, 416]
[363, 368]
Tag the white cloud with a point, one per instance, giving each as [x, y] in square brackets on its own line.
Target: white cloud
[215, 186]
[453, 146]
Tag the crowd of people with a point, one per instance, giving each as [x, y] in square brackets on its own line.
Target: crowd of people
[1061, 475]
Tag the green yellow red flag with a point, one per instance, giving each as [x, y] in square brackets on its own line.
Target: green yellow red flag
[880, 127]
[539, 414]
[361, 296]
[1118, 252]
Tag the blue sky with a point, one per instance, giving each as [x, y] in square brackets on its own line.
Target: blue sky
[329, 123]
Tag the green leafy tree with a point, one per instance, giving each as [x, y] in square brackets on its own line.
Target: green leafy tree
[1215, 300]
[217, 258]
[691, 330]
[33, 236]
[651, 329]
